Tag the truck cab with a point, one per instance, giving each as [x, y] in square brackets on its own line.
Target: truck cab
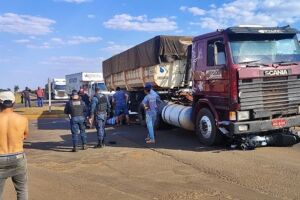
[58, 89]
[245, 80]
[101, 85]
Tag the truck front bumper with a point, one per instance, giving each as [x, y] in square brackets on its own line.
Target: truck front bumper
[262, 125]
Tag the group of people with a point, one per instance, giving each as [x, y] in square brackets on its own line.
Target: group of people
[26, 99]
[14, 129]
[82, 111]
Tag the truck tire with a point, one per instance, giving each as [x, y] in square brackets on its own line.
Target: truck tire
[206, 128]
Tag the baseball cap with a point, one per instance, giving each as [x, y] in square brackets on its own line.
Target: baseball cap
[148, 85]
[7, 96]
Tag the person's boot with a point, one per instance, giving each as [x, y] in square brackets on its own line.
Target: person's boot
[74, 149]
[84, 147]
[99, 145]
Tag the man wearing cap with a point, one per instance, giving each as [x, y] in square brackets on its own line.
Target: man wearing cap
[13, 131]
[76, 110]
[99, 109]
[151, 103]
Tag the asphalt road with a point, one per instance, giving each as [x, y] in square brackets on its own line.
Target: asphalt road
[176, 168]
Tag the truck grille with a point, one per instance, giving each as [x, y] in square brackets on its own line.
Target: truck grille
[270, 96]
[61, 93]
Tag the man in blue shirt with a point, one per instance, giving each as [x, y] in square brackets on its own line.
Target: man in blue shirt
[120, 100]
[100, 107]
[151, 103]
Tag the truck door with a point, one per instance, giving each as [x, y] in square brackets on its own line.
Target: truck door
[216, 77]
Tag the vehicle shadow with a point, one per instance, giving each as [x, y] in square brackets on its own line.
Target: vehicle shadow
[53, 124]
[132, 136]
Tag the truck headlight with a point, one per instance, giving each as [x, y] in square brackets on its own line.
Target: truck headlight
[243, 115]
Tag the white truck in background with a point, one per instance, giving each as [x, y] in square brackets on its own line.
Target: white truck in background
[57, 88]
[86, 81]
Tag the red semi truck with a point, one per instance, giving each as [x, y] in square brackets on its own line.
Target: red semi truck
[245, 80]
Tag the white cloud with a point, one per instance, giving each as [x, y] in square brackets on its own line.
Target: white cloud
[76, 40]
[194, 10]
[83, 40]
[72, 64]
[114, 48]
[91, 16]
[44, 45]
[22, 41]
[258, 12]
[75, 1]
[58, 42]
[25, 24]
[72, 60]
[141, 23]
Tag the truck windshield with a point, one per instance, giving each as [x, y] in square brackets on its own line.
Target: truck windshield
[263, 48]
[101, 86]
[60, 87]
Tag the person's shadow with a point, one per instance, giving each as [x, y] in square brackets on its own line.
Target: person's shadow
[124, 136]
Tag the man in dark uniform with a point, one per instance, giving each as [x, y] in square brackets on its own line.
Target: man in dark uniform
[76, 110]
[99, 110]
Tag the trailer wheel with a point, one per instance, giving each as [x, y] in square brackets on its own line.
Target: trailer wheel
[206, 129]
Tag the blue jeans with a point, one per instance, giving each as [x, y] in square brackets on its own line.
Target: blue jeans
[150, 120]
[14, 166]
[40, 101]
[121, 109]
[77, 125]
[27, 102]
[100, 120]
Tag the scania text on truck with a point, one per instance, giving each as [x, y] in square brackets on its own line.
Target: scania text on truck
[245, 80]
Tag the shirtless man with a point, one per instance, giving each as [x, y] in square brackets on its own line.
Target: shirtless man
[13, 131]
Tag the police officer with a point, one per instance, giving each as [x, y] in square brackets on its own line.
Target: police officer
[99, 109]
[76, 110]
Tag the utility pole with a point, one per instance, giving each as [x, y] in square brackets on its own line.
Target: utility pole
[49, 94]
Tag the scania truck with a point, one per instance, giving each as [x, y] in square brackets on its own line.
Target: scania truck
[235, 81]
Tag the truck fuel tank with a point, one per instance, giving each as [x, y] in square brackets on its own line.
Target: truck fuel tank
[178, 115]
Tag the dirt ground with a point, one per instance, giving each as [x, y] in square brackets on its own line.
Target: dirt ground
[176, 168]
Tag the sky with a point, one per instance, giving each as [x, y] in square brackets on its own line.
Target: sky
[41, 39]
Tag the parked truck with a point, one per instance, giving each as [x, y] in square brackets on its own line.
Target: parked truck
[57, 88]
[245, 80]
[86, 81]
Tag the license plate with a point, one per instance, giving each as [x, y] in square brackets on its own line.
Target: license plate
[278, 122]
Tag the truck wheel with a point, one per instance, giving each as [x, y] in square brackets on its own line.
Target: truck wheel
[206, 129]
